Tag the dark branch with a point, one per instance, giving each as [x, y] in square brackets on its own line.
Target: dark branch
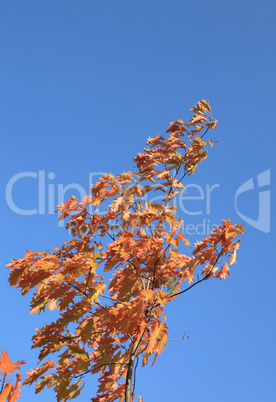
[134, 376]
[199, 281]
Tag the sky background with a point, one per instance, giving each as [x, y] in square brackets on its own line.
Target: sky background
[83, 85]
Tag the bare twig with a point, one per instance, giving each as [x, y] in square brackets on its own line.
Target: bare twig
[115, 300]
[3, 383]
[181, 339]
[199, 281]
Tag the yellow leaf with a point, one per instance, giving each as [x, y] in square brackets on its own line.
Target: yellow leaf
[174, 253]
[148, 294]
[52, 304]
[163, 298]
[126, 216]
[206, 105]
[233, 258]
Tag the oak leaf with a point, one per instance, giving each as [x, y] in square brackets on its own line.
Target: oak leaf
[6, 365]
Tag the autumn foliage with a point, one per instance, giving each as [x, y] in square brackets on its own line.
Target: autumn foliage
[8, 391]
[125, 261]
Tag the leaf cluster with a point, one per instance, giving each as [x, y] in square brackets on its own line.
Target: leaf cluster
[9, 391]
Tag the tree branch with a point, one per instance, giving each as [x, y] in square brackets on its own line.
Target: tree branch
[134, 380]
[130, 371]
[111, 298]
[113, 238]
[200, 280]
[133, 354]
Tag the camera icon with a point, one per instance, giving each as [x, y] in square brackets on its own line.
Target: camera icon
[262, 223]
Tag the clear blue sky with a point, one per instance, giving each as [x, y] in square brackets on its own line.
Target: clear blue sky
[83, 84]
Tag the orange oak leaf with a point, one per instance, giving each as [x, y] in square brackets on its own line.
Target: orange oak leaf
[223, 272]
[7, 392]
[6, 365]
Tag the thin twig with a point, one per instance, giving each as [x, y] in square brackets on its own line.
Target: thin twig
[180, 339]
[88, 277]
[129, 261]
[3, 383]
[115, 300]
[199, 281]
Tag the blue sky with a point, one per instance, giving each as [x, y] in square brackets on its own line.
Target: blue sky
[83, 84]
